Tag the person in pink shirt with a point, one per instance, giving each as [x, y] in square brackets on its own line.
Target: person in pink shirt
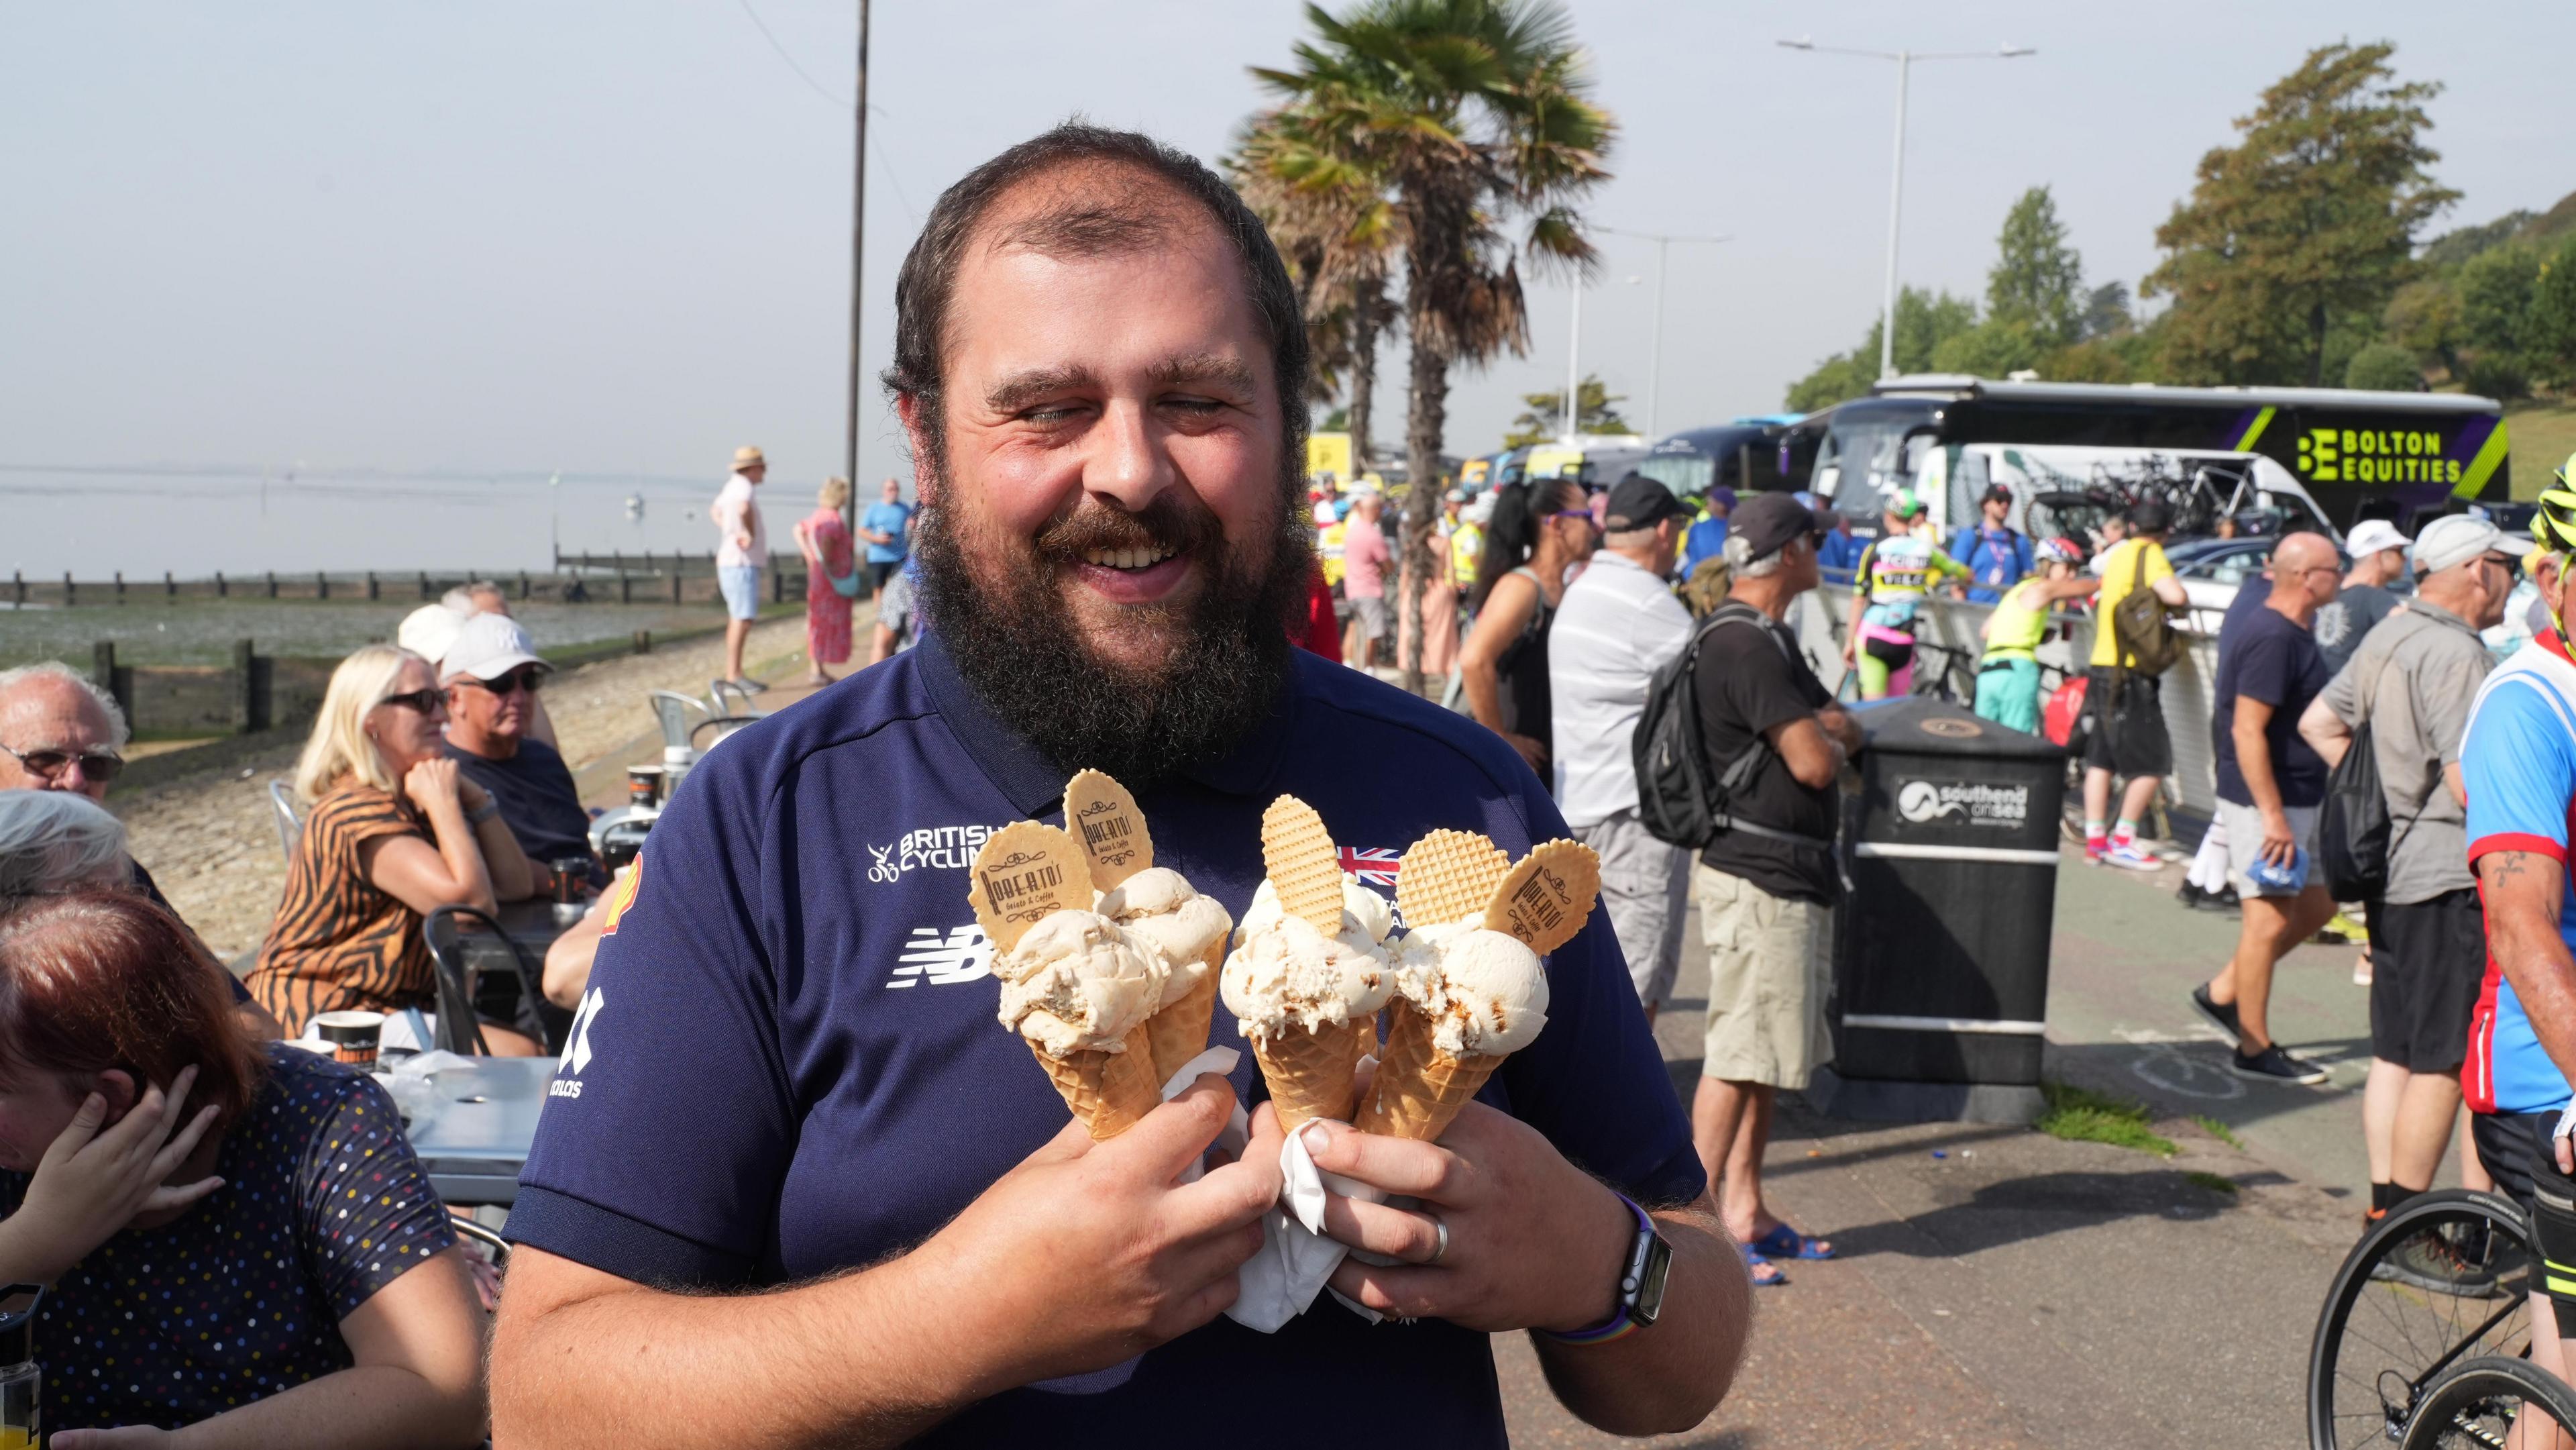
[1365, 558]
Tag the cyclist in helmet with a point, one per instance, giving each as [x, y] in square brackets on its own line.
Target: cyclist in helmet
[2518, 763]
[1895, 573]
[2008, 675]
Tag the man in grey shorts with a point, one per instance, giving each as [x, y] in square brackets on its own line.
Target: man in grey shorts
[1617, 625]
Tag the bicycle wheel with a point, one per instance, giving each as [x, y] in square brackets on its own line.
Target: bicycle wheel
[2480, 1400]
[2446, 1277]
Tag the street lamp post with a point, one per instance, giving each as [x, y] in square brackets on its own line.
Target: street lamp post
[1905, 60]
[1574, 359]
[858, 278]
[1655, 364]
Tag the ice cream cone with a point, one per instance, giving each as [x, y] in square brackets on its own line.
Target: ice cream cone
[1310, 1073]
[1180, 1030]
[1419, 1089]
[1109, 1092]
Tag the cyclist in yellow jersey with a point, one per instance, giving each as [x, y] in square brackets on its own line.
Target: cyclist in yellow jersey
[1896, 572]
[2008, 675]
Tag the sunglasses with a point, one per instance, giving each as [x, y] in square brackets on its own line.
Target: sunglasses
[1583, 514]
[424, 702]
[99, 765]
[528, 679]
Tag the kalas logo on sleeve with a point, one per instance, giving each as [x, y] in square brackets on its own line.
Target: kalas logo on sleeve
[933, 848]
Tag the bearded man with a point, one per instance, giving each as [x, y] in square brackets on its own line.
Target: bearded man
[795, 1185]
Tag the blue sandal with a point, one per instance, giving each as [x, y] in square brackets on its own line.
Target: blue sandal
[1756, 1264]
[1784, 1242]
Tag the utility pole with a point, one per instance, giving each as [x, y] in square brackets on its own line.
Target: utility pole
[1655, 366]
[858, 277]
[1905, 60]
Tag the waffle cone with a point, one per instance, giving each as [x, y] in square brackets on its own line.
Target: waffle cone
[1310, 1073]
[1448, 876]
[1419, 1089]
[1109, 1092]
[1180, 1031]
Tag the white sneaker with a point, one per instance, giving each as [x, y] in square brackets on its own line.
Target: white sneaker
[2128, 854]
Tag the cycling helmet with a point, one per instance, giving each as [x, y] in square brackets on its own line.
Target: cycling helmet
[1903, 504]
[2063, 550]
[2553, 523]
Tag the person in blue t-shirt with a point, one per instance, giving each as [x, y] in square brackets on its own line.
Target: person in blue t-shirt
[1839, 553]
[1702, 540]
[1997, 555]
[886, 528]
[787, 1131]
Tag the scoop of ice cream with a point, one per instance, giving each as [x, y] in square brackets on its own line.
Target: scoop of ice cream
[1288, 974]
[1161, 906]
[1416, 959]
[1366, 916]
[1495, 995]
[1079, 981]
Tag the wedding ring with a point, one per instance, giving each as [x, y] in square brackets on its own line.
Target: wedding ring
[1440, 1245]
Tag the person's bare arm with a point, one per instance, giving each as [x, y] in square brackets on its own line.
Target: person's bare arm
[1812, 755]
[2522, 890]
[256, 1021]
[2326, 733]
[2082, 586]
[2459, 783]
[417, 1383]
[569, 958]
[581, 1358]
[2254, 762]
[1507, 611]
[426, 875]
[805, 544]
[881, 648]
[514, 876]
[1851, 629]
[2170, 590]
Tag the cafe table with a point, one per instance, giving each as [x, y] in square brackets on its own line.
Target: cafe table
[472, 1125]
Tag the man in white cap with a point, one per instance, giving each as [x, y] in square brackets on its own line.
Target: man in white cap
[492, 674]
[742, 548]
[2378, 555]
[2412, 682]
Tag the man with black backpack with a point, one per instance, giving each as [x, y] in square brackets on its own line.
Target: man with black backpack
[2406, 693]
[1770, 742]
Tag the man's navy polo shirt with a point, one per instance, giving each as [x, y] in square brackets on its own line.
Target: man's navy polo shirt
[788, 1060]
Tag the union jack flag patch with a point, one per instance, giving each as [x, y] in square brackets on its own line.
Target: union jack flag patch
[1376, 866]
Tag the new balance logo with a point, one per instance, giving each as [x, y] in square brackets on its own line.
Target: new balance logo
[960, 954]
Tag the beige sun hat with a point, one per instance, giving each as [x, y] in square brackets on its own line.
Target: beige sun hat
[748, 457]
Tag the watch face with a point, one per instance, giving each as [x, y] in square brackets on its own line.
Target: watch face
[1650, 1286]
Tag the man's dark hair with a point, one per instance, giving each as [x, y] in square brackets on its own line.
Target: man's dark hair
[1090, 223]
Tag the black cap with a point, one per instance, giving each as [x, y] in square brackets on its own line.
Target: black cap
[1768, 521]
[2150, 516]
[1638, 502]
[1996, 491]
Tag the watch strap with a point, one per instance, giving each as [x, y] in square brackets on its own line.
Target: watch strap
[1620, 1324]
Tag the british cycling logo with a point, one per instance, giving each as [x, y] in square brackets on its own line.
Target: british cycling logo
[934, 848]
[943, 958]
[576, 1053]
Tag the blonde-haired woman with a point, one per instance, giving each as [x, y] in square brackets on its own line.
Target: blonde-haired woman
[393, 833]
[831, 580]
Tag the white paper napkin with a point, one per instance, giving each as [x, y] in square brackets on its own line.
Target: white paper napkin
[1280, 1282]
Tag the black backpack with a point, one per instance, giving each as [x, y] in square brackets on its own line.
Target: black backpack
[2353, 829]
[1676, 800]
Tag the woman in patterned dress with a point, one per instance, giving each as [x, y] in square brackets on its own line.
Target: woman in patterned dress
[394, 833]
[232, 1231]
[825, 542]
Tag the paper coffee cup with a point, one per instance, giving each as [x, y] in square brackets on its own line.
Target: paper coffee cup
[353, 1035]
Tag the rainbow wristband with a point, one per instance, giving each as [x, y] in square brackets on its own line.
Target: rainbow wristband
[1618, 1325]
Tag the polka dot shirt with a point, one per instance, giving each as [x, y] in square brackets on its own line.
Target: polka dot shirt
[242, 1296]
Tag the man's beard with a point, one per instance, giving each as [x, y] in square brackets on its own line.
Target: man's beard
[995, 601]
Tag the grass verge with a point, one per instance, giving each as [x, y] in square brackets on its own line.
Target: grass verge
[2214, 1182]
[2082, 1116]
[2218, 1130]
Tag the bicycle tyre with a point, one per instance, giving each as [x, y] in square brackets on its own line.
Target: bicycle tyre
[2472, 1396]
[2362, 1403]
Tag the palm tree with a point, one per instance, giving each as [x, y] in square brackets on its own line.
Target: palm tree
[1472, 116]
[1334, 228]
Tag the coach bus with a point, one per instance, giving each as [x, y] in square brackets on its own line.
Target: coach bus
[1743, 455]
[2401, 455]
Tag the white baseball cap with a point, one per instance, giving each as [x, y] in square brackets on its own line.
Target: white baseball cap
[429, 631]
[487, 647]
[2455, 539]
[2372, 535]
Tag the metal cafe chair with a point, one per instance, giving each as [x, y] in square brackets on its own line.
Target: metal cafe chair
[290, 824]
[459, 1029]
[730, 701]
[674, 712]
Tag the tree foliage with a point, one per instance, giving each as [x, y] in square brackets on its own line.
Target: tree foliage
[2551, 327]
[2037, 285]
[1924, 320]
[1543, 414]
[2309, 220]
[2385, 366]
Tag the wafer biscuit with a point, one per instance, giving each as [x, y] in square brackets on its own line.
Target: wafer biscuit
[1448, 876]
[1025, 872]
[1546, 898]
[1303, 867]
[1104, 818]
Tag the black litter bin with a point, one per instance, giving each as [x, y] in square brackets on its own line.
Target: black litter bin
[1941, 947]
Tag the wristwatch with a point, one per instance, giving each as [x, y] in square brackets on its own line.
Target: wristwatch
[1640, 1290]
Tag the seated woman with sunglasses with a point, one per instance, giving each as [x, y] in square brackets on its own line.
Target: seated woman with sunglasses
[394, 833]
[234, 1236]
[492, 674]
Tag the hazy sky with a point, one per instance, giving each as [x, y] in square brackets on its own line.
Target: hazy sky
[611, 238]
